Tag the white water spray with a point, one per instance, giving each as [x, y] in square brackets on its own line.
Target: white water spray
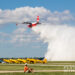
[61, 41]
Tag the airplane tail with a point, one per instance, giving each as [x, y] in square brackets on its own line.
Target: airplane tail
[37, 19]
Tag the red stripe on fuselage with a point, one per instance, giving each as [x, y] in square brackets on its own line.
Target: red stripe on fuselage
[30, 26]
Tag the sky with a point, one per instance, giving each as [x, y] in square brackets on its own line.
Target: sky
[21, 41]
[59, 5]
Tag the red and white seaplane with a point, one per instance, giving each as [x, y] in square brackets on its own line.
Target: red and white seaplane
[30, 25]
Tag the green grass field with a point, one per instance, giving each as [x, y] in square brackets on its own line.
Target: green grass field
[61, 63]
[49, 66]
[36, 67]
[41, 73]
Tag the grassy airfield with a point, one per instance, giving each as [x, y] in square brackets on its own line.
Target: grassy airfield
[15, 67]
[41, 73]
[64, 65]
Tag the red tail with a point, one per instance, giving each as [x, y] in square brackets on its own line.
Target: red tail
[37, 19]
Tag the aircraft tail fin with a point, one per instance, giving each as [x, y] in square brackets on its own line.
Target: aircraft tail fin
[37, 19]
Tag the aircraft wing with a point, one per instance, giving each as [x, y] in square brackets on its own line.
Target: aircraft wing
[26, 23]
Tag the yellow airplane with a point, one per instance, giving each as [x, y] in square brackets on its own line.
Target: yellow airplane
[13, 61]
[22, 61]
[6, 60]
[36, 60]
